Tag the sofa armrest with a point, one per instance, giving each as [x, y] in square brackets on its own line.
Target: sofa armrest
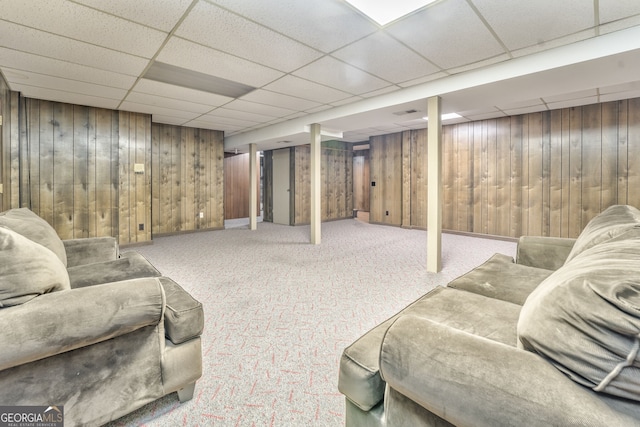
[470, 380]
[90, 250]
[549, 253]
[66, 320]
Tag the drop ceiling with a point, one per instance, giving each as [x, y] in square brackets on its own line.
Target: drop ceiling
[321, 62]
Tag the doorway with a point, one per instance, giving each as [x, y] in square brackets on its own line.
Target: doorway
[281, 187]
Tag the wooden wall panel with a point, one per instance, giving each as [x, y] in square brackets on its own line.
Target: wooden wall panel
[236, 186]
[633, 153]
[361, 181]
[386, 171]
[188, 179]
[418, 185]
[336, 176]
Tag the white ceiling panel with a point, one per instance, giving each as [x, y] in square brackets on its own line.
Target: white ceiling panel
[182, 93]
[54, 67]
[550, 44]
[253, 107]
[516, 31]
[89, 25]
[170, 103]
[37, 42]
[285, 101]
[301, 88]
[570, 96]
[449, 34]
[234, 34]
[525, 110]
[612, 10]
[324, 25]
[380, 54]
[153, 109]
[616, 96]
[66, 85]
[213, 125]
[186, 54]
[573, 102]
[166, 13]
[227, 121]
[341, 76]
[62, 96]
[168, 120]
[240, 115]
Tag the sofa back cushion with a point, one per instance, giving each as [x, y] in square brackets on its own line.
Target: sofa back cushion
[27, 269]
[585, 318]
[610, 224]
[31, 226]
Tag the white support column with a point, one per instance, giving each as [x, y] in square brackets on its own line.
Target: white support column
[316, 144]
[434, 177]
[253, 187]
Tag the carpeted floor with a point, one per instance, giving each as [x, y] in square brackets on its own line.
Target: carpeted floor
[279, 311]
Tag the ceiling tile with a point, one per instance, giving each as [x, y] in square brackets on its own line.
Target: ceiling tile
[620, 24]
[631, 87]
[616, 96]
[28, 40]
[573, 102]
[388, 89]
[89, 25]
[612, 10]
[19, 77]
[54, 67]
[380, 54]
[425, 79]
[154, 109]
[512, 21]
[449, 34]
[182, 93]
[170, 103]
[213, 125]
[285, 101]
[525, 110]
[301, 88]
[168, 120]
[186, 54]
[253, 107]
[240, 115]
[326, 26]
[537, 102]
[550, 44]
[244, 38]
[166, 13]
[569, 96]
[333, 73]
[62, 96]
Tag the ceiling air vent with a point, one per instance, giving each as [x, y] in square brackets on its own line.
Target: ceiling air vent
[402, 113]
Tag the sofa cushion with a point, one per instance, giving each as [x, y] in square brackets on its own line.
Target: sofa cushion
[499, 277]
[610, 224]
[130, 265]
[27, 269]
[360, 379]
[31, 226]
[183, 317]
[585, 318]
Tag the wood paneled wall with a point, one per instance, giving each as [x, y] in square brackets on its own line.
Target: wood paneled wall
[237, 186]
[188, 178]
[542, 174]
[386, 171]
[336, 173]
[361, 180]
[5, 145]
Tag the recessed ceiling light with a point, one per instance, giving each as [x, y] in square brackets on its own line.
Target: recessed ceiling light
[385, 11]
[447, 116]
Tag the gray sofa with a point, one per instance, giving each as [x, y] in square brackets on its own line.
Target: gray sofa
[83, 326]
[550, 339]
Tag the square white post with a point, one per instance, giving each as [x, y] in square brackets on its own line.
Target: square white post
[316, 144]
[434, 176]
[253, 187]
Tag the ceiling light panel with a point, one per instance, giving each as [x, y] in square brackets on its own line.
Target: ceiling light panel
[89, 25]
[449, 34]
[385, 11]
[337, 74]
[177, 76]
[380, 54]
[183, 53]
[326, 26]
[37, 42]
[166, 13]
[256, 43]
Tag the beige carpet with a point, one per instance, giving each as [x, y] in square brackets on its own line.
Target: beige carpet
[279, 312]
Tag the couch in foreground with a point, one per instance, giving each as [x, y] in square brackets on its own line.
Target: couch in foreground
[83, 326]
[550, 339]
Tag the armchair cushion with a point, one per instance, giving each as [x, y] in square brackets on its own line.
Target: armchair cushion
[131, 265]
[585, 319]
[27, 270]
[183, 318]
[31, 226]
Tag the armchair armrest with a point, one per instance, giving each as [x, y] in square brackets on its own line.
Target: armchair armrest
[549, 253]
[66, 320]
[471, 380]
[90, 250]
